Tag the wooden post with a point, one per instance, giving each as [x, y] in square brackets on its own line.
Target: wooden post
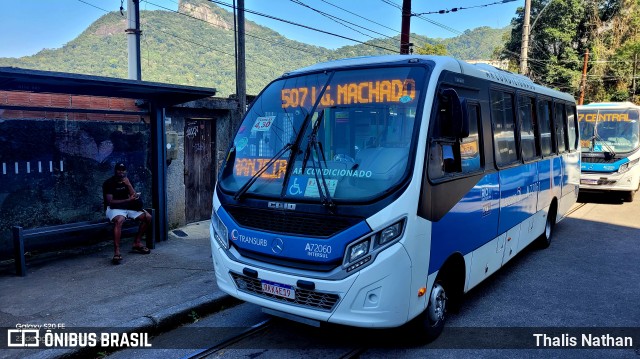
[584, 77]
[405, 27]
[18, 251]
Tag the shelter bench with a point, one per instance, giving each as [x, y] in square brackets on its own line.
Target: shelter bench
[36, 238]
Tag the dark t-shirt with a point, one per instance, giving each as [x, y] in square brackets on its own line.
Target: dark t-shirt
[117, 189]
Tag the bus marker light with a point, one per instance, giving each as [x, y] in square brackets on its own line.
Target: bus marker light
[422, 292]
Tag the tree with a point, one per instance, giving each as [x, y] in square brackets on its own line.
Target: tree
[560, 34]
[429, 49]
[556, 42]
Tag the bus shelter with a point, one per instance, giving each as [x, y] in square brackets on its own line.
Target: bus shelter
[36, 95]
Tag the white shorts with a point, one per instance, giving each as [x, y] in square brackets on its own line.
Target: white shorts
[126, 213]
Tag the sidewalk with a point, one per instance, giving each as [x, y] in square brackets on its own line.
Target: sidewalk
[150, 293]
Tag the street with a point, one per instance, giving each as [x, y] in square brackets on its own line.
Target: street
[586, 282]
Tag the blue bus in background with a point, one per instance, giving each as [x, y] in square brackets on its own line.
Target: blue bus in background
[610, 148]
[376, 191]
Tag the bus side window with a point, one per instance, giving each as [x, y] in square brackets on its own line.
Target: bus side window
[470, 146]
[528, 133]
[444, 148]
[544, 121]
[560, 120]
[572, 128]
[504, 127]
[451, 154]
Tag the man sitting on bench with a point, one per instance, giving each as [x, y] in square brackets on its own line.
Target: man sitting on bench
[122, 202]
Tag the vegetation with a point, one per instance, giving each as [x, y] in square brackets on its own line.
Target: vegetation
[183, 50]
[200, 52]
[563, 31]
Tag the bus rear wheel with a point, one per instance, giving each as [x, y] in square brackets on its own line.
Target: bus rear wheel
[545, 238]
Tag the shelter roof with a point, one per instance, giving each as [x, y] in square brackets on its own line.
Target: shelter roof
[164, 95]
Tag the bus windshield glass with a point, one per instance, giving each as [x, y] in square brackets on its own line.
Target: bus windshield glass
[343, 135]
[608, 130]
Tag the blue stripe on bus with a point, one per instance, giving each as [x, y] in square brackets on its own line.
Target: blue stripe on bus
[318, 250]
[471, 223]
[496, 204]
[603, 167]
[518, 195]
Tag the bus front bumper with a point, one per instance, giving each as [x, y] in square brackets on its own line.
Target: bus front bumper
[376, 296]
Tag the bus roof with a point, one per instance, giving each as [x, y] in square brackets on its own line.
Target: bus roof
[480, 70]
[611, 105]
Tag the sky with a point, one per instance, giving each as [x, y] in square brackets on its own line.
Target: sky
[29, 26]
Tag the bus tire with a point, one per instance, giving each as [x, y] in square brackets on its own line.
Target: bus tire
[628, 196]
[545, 238]
[430, 323]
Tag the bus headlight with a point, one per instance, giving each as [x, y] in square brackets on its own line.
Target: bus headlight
[359, 249]
[361, 252]
[623, 168]
[220, 230]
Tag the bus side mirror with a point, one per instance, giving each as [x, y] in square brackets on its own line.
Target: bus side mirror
[458, 110]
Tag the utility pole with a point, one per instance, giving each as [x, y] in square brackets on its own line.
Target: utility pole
[241, 80]
[633, 93]
[583, 84]
[525, 38]
[133, 39]
[406, 27]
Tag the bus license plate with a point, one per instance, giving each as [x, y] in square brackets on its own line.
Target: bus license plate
[277, 289]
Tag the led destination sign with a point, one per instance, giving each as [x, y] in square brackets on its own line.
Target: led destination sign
[246, 167]
[607, 117]
[382, 91]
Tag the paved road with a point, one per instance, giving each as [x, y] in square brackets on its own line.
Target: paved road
[587, 281]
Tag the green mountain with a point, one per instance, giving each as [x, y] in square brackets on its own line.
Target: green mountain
[197, 48]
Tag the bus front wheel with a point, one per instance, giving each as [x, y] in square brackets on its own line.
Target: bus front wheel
[431, 321]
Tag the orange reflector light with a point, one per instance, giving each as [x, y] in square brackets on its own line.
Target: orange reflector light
[422, 291]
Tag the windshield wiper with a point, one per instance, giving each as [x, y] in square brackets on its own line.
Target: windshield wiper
[262, 169]
[313, 139]
[316, 146]
[596, 136]
[323, 191]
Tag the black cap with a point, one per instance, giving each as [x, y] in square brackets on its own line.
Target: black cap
[120, 167]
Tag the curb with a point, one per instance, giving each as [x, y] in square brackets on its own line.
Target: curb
[157, 323]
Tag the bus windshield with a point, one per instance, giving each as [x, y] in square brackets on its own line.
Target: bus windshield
[346, 133]
[608, 130]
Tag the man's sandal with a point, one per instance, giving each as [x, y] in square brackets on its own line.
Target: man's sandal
[116, 259]
[141, 249]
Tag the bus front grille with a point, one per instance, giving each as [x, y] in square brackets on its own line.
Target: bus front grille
[305, 298]
[290, 223]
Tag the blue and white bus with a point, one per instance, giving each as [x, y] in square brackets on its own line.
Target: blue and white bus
[610, 148]
[376, 191]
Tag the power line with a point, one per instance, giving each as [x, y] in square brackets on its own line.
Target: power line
[246, 33]
[456, 9]
[97, 7]
[300, 25]
[342, 21]
[392, 4]
[187, 40]
[450, 29]
[362, 17]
